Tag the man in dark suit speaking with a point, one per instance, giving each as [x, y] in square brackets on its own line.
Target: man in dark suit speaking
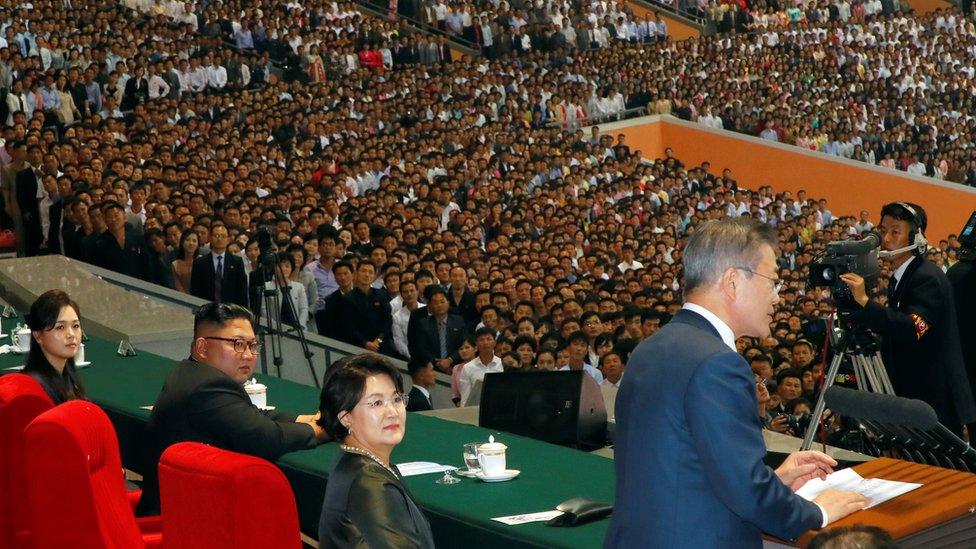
[219, 276]
[689, 448]
[203, 400]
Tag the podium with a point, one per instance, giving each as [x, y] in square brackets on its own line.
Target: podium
[941, 513]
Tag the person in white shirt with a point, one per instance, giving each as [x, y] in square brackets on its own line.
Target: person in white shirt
[157, 86]
[216, 75]
[629, 263]
[612, 368]
[485, 362]
[577, 349]
[197, 76]
[401, 316]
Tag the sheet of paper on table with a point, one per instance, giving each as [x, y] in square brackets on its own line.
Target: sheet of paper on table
[528, 517]
[412, 468]
[875, 489]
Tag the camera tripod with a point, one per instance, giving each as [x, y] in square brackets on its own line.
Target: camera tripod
[861, 347]
[271, 330]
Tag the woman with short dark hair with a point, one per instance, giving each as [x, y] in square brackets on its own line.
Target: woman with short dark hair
[55, 325]
[366, 502]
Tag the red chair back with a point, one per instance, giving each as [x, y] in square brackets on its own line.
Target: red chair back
[215, 499]
[21, 400]
[77, 497]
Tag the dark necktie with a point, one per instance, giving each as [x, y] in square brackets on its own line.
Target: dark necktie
[442, 337]
[219, 279]
[892, 282]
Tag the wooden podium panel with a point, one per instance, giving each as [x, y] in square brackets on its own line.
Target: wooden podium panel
[941, 513]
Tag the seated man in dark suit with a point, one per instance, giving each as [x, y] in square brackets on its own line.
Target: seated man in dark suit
[219, 276]
[203, 400]
[435, 336]
[689, 474]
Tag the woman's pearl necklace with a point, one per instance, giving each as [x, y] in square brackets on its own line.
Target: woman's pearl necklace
[367, 453]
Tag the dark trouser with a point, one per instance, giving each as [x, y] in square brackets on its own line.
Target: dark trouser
[322, 323]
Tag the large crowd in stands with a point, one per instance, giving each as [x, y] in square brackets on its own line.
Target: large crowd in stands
[466, 184]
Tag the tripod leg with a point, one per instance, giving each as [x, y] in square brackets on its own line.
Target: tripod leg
[859, 375]
[819, 408]
[883, 373]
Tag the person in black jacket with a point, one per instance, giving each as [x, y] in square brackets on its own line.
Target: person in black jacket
[118, 248]
[962, 277]
[159, 262]
[136, 90]
[423, 379]
[203, 400]
[219, 276]
[920, 347]
[25, 192]
[366, 502]
[367, 321]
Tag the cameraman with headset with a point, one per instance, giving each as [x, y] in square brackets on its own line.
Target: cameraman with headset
[920, 339]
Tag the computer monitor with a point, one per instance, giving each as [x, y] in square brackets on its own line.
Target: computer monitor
[562, 407]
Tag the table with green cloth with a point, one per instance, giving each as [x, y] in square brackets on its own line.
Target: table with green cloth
[460, 514]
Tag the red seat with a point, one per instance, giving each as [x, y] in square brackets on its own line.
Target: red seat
[21, 400]
[215, 499]
[77, 492]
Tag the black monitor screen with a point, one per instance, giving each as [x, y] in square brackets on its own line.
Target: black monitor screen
[967, 237]
[539, 405]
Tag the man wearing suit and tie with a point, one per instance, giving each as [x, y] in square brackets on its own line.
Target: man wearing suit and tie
[689, 448]
[219, 276]
[433, 334]
[920, 338]
[26, 190]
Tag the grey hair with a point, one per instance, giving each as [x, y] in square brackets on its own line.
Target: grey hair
[719, 245]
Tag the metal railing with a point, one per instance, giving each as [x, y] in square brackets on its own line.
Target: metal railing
[324, 350]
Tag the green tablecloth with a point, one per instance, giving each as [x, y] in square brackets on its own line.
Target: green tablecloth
[459, 514]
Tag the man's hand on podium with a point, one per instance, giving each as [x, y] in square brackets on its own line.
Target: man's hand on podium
[799, 467]
[838, 504]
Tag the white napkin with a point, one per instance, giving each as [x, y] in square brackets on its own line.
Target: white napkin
[412, 468]
[513, 520]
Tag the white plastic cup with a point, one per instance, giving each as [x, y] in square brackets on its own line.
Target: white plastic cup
[80, 355]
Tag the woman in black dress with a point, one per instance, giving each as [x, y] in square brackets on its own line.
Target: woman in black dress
[366, 502]
[55, 338]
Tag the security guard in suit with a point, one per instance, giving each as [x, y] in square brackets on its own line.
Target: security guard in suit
[918, 326]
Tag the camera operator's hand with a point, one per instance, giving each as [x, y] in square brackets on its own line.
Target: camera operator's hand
[780, 424]
[856, 283]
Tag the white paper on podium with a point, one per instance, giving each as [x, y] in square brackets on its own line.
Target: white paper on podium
[875, 489]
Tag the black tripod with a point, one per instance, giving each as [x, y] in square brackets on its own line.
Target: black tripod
[272, 330]
[859, 346]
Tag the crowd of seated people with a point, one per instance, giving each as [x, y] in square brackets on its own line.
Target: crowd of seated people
[379, 186]
[504, 29]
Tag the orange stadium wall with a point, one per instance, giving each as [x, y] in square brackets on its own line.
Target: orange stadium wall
[848, 186]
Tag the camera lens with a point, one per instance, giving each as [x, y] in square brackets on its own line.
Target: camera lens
[829, 273]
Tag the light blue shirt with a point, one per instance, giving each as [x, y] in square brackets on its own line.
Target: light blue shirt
[52, 100]
[594, 373]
